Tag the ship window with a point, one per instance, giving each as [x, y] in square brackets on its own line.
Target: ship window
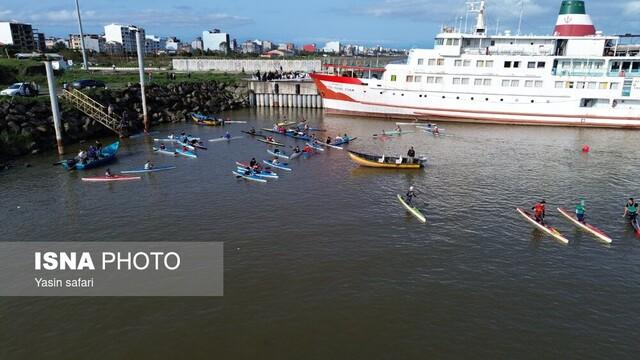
[465, 81]
[626, 65]
[515, 83]
[493, 43]
[531, 65]
[528, 83]
[417, 79]
[419, 95]
[440, 62]
[507, 64]
[420, 61]
[613, 86]
[516, 64]
[591, 85]
[580, 85]
[457, 63]
[604, 85]
[439, 80]
[466, 63]
[477, 82]
[559, 84]
[635, 66]
[505, 83]
[443, 97]
[480, 63]
[486, 82]
[430, 79]
[488, 63]
[449, 41]
[456, 81]
[568, 84]
[538, 83]
[431, 62]
[409, 78]
[393, 78]
[541, 64]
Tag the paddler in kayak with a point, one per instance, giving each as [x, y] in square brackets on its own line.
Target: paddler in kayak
[253, 163]
[328, 139]
[270, 139]
[252, 131]
[307, 149]
[580, 211]
[631, 211]
[538, 211]
[227, 135]
[435, 130]
[108, 173]
[148, 165]
[162, 146]
[398, 129]
[410, 195]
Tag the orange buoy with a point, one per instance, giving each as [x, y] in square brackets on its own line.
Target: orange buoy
[586, 148]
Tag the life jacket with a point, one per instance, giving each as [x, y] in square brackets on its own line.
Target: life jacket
[538, 208]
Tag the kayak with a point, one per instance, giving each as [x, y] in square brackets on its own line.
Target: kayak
[225, 139]
[586, 227]
[235, 122]
[154, 169]
[171, 140]
[315, 147]
[282, 166]
[106, 155]
[189, 147]
[392, 133]
[186, 153]
[110, 178]
[275, 143]
[429, 129]
[165, 151]
[278, 154]
[636, 226]
[413, 210]
[198, 146]
[546, 228]
[289, 133]
[286, 123]
[263, 173]
[254, 134]
[249, 177]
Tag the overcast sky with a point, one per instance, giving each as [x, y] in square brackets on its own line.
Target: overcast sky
[392, 23]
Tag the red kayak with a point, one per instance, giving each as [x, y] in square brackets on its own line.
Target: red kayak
[110, 178]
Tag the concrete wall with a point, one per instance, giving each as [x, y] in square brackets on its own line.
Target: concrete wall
[249, 66]
[290, 94]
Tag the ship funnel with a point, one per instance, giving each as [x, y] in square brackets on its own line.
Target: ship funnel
[573, 20]
[480, 24]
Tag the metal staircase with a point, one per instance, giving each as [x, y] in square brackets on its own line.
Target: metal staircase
[94, 110]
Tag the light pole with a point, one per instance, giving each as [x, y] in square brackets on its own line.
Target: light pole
[84, 53]
[140, 48]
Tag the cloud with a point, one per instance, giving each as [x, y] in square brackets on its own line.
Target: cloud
[632, 8]
[5, 13]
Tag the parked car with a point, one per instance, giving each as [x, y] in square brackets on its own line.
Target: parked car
[88, 83]
[21, 89]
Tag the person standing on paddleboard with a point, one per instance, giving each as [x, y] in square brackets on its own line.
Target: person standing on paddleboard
[631, 210]
[538, 211]
[410, 195]
[580, 211]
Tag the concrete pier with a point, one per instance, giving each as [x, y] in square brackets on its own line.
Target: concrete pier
[284, 94]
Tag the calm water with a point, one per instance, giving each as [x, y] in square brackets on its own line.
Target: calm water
[324, 263]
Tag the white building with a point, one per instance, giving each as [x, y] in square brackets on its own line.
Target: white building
[93, 42]
[172, 45]
[197, 44]
[332, 47]
[124, 35]
[215, 41]
[154, 44]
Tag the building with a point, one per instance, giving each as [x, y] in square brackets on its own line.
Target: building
[50, 42]
[332, 47]
[309, 48]
[172, 45]
[197, 44]
[234, 45]
[124, 35]
[277, 54]
[92, 42]
[251, 47]
[215, 41]
[17, 34]
[154, 44]
[113, 48]
[38, 41]
[267, 45]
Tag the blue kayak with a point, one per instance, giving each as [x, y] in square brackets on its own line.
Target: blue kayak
[249, 177]
[106, 156]
[154, 169]
[282, 166]
[278, 154]
[190, 154]
[289, 133]
[263, 173]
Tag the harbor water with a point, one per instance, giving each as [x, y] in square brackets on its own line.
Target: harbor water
[324, 262]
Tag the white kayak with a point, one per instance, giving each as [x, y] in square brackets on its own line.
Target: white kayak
[154, 169]
[110, 178]
[278, 154]
[413, 210]
[220, 139]
[249, 177]
[545, 228]
[586, 227]
[165, 151]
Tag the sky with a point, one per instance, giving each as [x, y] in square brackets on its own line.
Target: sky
[389, 23]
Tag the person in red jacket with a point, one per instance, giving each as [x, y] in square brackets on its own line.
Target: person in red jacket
[538, 211]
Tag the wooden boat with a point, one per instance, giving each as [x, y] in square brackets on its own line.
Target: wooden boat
[390, 162]
[206, 120]
[106, 156]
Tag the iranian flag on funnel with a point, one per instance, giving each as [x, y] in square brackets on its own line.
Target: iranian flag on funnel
[573, 20]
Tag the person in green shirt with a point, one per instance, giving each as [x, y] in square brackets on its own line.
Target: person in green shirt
[631, 210]
[580, 210]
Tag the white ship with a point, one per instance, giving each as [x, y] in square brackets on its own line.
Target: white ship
[575, 77]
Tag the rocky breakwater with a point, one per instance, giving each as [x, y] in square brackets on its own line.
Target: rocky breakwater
[26, 124]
